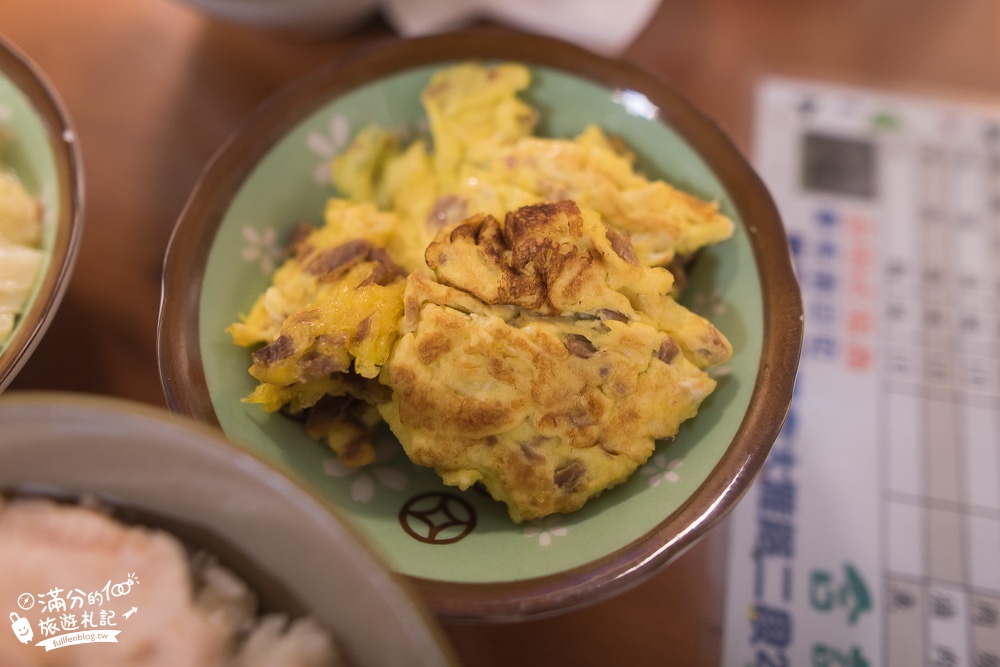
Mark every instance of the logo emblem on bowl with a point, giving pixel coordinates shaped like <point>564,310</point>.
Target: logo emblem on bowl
<point>437,518</point>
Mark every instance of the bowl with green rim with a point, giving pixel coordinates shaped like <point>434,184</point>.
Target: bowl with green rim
<point>38,145</point>
<point>460,549</point>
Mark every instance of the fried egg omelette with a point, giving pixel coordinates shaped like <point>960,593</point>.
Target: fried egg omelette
<point>502,301</point>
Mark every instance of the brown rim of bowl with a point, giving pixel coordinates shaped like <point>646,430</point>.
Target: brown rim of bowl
<point>180,361</point>
<point>62,140</point>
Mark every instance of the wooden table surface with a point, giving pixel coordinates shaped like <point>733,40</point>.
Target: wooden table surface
<point>154,88</point>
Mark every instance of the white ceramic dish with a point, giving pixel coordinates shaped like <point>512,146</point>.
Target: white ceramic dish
<point>285,541</point>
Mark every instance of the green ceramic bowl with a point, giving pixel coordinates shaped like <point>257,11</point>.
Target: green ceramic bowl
<point>460,549</point>
<point>38,143</point>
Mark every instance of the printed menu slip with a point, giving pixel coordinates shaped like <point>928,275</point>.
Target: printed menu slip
<point>872,536</point>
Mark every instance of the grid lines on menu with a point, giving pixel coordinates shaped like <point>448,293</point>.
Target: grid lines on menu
<point>940,370</point>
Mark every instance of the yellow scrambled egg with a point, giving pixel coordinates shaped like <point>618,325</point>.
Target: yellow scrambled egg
<point>500,300</point>
<point>20,258</point>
